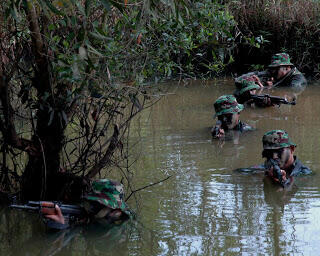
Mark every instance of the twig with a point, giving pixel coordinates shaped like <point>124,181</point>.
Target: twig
<point>134,191</point>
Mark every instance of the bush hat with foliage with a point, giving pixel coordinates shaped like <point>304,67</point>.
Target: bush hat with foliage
<point>245,84</point>
<point>276,139</point>
<point>227,104</point>
<point>280,59</point>
<point>108,193</point>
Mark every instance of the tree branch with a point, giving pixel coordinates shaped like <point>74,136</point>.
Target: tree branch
<point>106,159</point>
<point>35,32</point>
<point>134,191</point>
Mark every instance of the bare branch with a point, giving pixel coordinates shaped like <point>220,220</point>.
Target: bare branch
<point>150,185</point>
<point>106,159</point>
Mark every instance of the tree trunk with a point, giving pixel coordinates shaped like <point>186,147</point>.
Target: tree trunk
<point>44,164</point>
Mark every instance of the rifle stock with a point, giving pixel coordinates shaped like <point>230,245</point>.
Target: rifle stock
<point>45,207</point>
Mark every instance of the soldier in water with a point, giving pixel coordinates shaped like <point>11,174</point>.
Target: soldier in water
<point>105,202</point>
<point>281,72</point>
<point>249,94</point>
<point>228,112</point>
<point>281,163</point>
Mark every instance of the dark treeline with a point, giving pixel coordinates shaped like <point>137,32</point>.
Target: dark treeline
<point>283,26</point>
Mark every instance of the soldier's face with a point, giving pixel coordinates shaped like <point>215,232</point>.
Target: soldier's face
<point>282,71</point>
<point>284,156</point>
<point>229,121</point>
<point>253,92</point>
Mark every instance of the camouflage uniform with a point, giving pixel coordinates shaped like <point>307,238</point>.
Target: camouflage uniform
<point>227,104</point>
<point>109,194</point>
<point>277,139</point>
<point>106,195</point>
<point>293,79</point>
<point>244,85</point>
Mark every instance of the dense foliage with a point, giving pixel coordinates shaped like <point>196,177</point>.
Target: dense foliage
<point>286,25</point>
<point>62,118</point>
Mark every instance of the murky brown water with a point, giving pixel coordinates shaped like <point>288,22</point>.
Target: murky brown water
<point>205,208</point>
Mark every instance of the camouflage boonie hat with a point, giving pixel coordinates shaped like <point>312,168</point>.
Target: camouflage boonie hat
<point>108,193</point>
<point>280,59</point>
<point>276,139</point>
<point>227,104</point>
<point>245,84</point>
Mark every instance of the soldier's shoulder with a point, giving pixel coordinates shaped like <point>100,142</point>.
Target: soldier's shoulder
<point>300,169</point>
<point>244,127</point>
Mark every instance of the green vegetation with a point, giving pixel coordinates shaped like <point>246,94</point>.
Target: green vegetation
<point>286,25</point>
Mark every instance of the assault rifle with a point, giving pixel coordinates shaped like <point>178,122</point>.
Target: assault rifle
<point>48,208</point>
<point>275,100</point>
<point>276,171</point>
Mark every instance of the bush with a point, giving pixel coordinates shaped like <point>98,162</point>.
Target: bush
<point>289,25</point>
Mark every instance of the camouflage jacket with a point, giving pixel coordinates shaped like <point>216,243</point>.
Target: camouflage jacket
<point>293,79</point>
<point>105,195</point>
<point>297,169</point>
<point>243,127</point>
<point>239,128</point>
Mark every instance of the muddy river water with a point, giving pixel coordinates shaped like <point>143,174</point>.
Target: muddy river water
<point>205,207</point>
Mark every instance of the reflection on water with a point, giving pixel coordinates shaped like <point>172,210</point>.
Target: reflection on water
<point>206,208</point>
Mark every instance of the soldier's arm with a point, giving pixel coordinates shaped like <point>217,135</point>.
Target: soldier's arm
<point>298,81</point>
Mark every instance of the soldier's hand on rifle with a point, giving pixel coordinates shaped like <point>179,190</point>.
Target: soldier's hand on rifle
<point>267,102</point>
<point>217,132</point>
<point>53,214</point>
<point>257,80</point>
<point>270,173</point>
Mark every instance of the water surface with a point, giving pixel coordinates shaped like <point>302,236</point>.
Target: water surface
<point>205,208</point>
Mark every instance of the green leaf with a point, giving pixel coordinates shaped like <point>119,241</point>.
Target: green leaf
<point>87,7</point>
<point>113,3</point>
<point>65,43</point>
<point>93,50</point>
<point>14,12</point>
<point>51,118</point>
<point>71,36</point>
<point>80,8</point>
<point>98,36</point>
<point>51,27</point>
<point>106,5</point>
<point>53,8</point>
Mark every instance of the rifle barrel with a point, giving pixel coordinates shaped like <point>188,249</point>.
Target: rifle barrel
<point>274,99</point>
<point>24,207</point>
<point>39,203</point>
<point>36,207</point>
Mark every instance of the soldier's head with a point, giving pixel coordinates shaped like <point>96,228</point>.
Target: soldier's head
<point>277,145</point>
<point>280,65</point>
<point>106,197</point>
<point>246,87</point>
<point>228,110</point>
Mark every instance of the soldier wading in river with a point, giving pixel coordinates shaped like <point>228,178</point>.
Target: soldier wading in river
<point>105,202</point>
<point>246,89</point>
<point>228,111</point>
<point>280,162</point>
<point>281,72</point>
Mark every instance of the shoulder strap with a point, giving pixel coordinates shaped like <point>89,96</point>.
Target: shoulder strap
<point>290,73</point>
